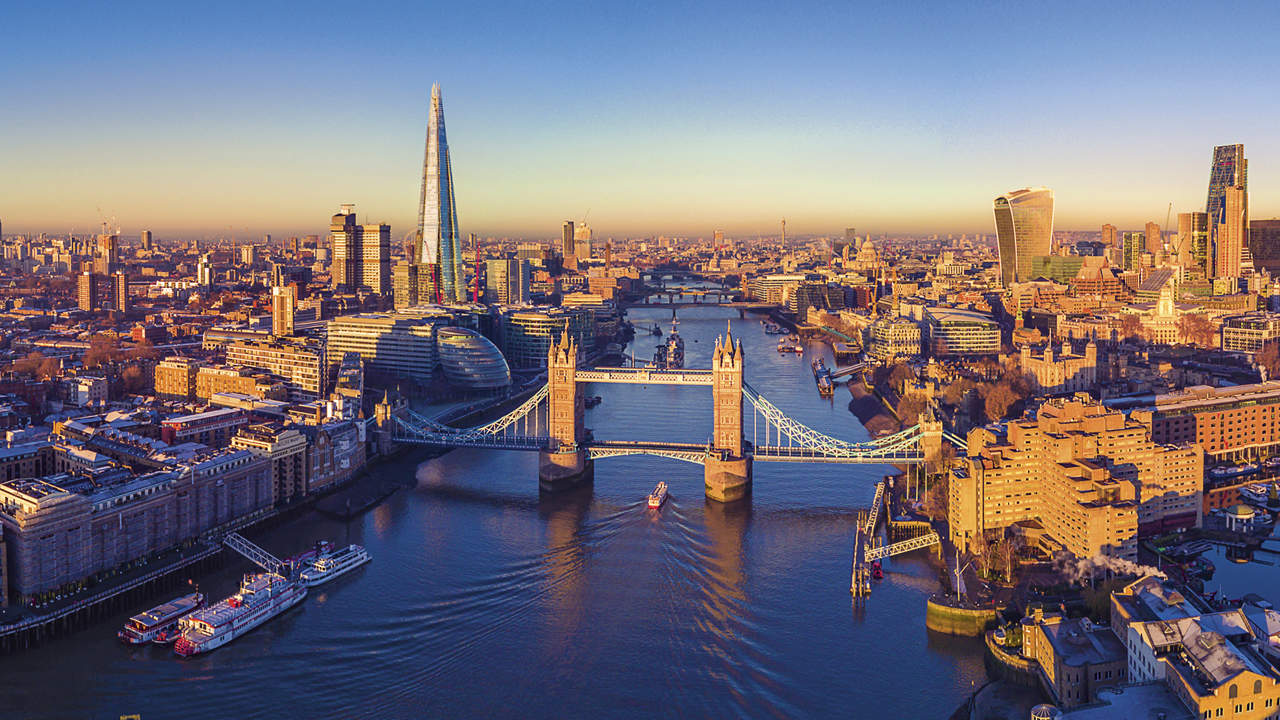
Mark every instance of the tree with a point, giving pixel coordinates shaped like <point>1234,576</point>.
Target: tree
<point>936,500</point>
<point>102,351</point>
<point>899,374</point>
<point>955,393</point>
<point>48,369</point>
<point>1131,326</point>
<point>28,365</point>
<point>134,379</point>
<point>1196,329</point>
<point>144,351</point>
<point>999,399</point>
<point>1268,359</point>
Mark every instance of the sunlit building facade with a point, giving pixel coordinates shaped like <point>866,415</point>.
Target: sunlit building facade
<point>439,241</point>
<point>1024,229</point>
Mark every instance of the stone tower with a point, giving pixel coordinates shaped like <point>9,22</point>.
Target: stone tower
<point>566,464</point>
<point>727,468</point>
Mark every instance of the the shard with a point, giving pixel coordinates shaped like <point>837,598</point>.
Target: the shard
<point>439,245</point>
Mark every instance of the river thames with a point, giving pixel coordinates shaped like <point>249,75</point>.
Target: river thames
<point>485,599</point>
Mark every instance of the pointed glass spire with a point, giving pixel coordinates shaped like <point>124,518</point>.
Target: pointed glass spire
<point>438,236</point>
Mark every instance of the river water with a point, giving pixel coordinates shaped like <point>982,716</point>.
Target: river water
<point>486,599</point>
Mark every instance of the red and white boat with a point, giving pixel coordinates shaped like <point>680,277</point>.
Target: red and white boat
<point>157,623</point>
<point>262,596</point>
<point>658,496</point>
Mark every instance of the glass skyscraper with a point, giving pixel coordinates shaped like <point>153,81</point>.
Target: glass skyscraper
<point>1024,230</point>
<point>1229,169</point>
<point>439,242</point>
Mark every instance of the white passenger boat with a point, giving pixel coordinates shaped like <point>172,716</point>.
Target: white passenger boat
<point>658,496</point>
<point>154,625</point>
<point>327,567</point>
<point>262,596</point>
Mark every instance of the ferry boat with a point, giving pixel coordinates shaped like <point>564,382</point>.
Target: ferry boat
<point>262,596</point>
<point>154,624</point>
<point>328,567</point>
<point>658,496</point>
<point>1233,471</point>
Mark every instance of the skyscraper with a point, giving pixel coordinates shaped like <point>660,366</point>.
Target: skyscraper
<point>147,240</point>
<point>439,241</point>
<point>1193,243</point>
<point>566,239</point>
<point>406,285</point>
<point>1230,234</point>
<point>507,281</point>
<point>375,257</point>
<point>120,291</point>
<point>1109,235</point>
<point>1024,229</point>
<point>344,236</point>
<point>1132,245</point>
<point>1229,169</point>
<point>1155,240</point>
<point>283,305</point>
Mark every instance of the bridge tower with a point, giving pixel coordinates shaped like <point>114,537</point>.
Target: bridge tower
<point>930,436</point>
<point>728,469</point>
<point>566,464</point>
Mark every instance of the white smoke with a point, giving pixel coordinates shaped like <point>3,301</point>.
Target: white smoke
<point>1100,566</point>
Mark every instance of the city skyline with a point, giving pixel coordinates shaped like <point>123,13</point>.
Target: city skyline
<point>866,123</point>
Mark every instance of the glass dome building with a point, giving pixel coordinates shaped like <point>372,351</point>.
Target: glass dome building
<point>470,360</point>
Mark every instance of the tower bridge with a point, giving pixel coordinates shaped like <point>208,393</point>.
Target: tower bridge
<point>551,423</point>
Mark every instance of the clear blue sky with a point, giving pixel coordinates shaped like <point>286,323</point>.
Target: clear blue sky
<point>657,117</point>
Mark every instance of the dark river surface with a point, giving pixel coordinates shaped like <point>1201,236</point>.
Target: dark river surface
<point>485,599</point>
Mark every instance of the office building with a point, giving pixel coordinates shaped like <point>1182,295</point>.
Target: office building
<point>439,240</point>
<point>344,238</point>
<point>1024,229</point>
<point>1250,332</point>
<point>1229,169</point>
<point>1193,243</point>
<point>1264,245</point>
<point>1132,247</point>
<point>507,281</point>
<point>1233,424</point>
<point>893,337</point>
<point>470,361</point>
<point>567,239</point>
<point>284,303</point>
<point>148,243</point>
<point>375,242</point>
<point>527,333</point>
<point>1109,235</point>
<point>582,242</point>
<point>396,345</point>
<point>204,271</point>
<point>1153,239</point>
<point>949,332</point>
<point>407,289</point>
<point>1230,235</point>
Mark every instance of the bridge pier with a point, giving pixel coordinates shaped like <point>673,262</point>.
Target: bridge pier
<point>727,479</point>
<point>560,471</point>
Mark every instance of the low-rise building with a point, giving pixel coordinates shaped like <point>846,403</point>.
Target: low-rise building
<point>1061,372</point>
<point>1075,657</point>
<point>214,428</point>
<point>176,378</point>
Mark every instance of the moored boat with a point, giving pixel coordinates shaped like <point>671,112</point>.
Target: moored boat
<point>262,596</point>
<point>326,568</point>
<point>154,624</point>
<point>658,496</point>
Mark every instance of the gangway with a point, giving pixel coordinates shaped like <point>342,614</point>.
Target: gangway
<point>255,554</point>
<point>848,370</point>
<point>876,502</point>
<point>915,543</point>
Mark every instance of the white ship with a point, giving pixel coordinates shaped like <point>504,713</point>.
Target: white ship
<point>262,596</point>
<point>329,566</point>
<point>155,624</point>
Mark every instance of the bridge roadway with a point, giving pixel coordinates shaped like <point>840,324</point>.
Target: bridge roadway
<point>696,453</point>
<point>644,376</point>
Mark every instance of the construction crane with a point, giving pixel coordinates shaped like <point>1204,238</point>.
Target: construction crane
<point>255,554</point>
<point>1165,228</point>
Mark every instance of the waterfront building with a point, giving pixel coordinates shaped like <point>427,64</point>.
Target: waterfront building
<point>776,288</point>
<point>1024,229</point>
<point>1091,476</point>
<point>527,333</point>
<point>1061,372</point>
<point>1074,657</point>
<point>470,361</point>
<point>66,528</point>
<point>335,453</point>
<point>1213,662</point>
<point>301,362</point>
<point>893,337</point>
<point>439,240</point>
<point>1233,424</point>
<point>400,345</point>
<point>286,451</point>
<point>950,332</point>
